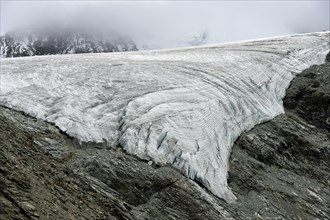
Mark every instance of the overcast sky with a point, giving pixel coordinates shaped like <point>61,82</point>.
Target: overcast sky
<point>222,20</point>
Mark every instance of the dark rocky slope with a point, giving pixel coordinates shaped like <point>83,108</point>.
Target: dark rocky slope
<point>46,175</point>
<point>282,168</point>
<point>279,170</point>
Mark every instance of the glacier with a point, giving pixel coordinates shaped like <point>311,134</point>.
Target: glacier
<point>183,107</point>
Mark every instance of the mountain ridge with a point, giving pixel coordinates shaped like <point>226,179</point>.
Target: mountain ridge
<point>20,43</point>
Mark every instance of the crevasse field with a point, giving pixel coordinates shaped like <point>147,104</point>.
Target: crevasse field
<point>184,107</point>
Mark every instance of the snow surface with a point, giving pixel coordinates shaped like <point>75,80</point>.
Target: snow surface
<point>184,107</point>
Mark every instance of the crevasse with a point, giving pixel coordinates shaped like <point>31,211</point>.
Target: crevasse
<point>184,107</point>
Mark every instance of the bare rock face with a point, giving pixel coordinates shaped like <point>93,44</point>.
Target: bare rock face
<point>280,169</point>
<point>44,174</point>
<point>309,96</point>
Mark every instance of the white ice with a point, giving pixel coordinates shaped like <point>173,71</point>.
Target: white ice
<point>184,107</point>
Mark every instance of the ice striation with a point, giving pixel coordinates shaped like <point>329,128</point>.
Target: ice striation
<point>184,107</point>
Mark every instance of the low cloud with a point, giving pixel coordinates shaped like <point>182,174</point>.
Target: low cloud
<point>222,20</point>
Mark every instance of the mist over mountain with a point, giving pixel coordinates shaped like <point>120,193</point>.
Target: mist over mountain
<point>54,38</point>
<point>150,43</point>
<point>153,25</point>
<point>57,39</point>
<point>85,27</point>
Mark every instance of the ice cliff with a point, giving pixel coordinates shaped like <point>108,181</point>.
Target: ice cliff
<point>184,107</point>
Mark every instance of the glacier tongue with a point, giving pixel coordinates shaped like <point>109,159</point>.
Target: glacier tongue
<point>184,107</point>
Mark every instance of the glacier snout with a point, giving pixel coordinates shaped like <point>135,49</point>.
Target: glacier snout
<point>184,107</point>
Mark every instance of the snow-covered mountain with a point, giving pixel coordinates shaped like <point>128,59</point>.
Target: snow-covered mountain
<point>20,43</point>
<point>184,107</point>
<point>154,42</point>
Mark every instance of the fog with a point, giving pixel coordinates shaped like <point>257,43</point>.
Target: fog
<point>169,21</point>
